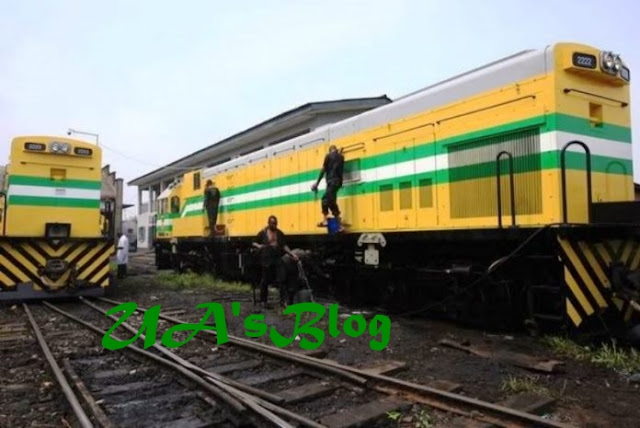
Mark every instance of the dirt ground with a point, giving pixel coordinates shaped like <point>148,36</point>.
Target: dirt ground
<point>586,394</point>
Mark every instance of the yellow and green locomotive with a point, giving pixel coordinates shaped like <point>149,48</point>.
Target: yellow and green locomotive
<point>504,194</point>
<point>53,235</point>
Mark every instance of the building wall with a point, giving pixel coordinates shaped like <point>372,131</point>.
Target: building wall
<point>143,229</point>
<point>130,228</point>
<point>111,194</point>
<point>118,208</point>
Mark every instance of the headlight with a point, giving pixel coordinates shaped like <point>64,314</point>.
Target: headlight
<point>612,63</point>
<point>607,61</point>
<point>617,63</point>
<point>60,147</point>
<point>57,230</point>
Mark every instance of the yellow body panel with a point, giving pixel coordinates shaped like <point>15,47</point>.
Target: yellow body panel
<point>576,88</point>
<point>535,99</point>
<point>47,187</point>
<point>52,186</point>
<point>436,170</point>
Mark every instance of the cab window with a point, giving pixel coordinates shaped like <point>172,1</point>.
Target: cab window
<point>175,205</point>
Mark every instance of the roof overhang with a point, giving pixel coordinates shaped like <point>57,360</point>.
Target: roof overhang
<point>260,131</point>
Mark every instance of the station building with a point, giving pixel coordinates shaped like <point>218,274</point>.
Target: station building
<point>282,127</point>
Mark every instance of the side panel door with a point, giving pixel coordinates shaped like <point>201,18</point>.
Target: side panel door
<point>311,209</point>
<point>385,187</point>
<point>426,181</point>
<point>284,191</point>
<point>404,159</point>
<point>259,200</point>
<point>353,201</point>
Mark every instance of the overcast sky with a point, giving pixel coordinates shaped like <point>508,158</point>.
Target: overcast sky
<point>160,79</point>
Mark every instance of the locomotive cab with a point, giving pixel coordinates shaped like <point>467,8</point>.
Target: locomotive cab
<point>52,243</point>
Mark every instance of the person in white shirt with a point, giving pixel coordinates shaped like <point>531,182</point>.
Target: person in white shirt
<point>122,255</point>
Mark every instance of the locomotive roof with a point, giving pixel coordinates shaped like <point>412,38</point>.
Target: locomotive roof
<point>510,69</point>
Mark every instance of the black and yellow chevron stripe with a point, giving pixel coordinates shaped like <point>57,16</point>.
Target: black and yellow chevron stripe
<point>21,260</point>
<point>586,267</point>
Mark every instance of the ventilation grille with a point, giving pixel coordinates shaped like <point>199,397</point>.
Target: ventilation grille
<point>472,175</point>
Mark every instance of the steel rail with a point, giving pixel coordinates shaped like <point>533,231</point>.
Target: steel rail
<point>187,364</point>
<point>495,410</point>
<point>274,352</point>
<point>216,391</point>
<point>249,395</point>
<point>84,420</point>
<point>96,410</point>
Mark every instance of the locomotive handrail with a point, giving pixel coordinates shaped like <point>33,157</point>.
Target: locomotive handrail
<point>404,131</point>
<point>4,213</point>
<point>467,113</point>
<point>352,147</point>
<point>306,143</point>
<point>512,189</point>
<point>564,178</point>
<point>569,90</point>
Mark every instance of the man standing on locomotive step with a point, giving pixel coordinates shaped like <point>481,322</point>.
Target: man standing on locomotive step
<point>333,168</point>
<point>271,243</point>
<point>122,255</point>
<point>211,203</point>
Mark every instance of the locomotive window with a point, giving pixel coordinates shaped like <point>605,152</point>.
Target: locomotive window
<point>386,197</point>
<point>351,171</point>
<point>175,205</point>
<point>405,195</point>
<point>196,181</point>
<point>424,191</point>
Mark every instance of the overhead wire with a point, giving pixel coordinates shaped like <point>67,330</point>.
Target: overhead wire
<point>179,168</point>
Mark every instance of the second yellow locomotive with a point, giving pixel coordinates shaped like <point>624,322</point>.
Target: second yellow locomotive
<point>53,240</point>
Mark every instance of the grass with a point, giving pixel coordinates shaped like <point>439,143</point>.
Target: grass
<point>192,280</point>
<point>421,419</point>
<point>524,384</point>
<point>606,355</point>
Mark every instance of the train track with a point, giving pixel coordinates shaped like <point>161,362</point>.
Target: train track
<point>375,393</point>
<point>243,382</point>
<point>121,389</point>
<point>29,391</point>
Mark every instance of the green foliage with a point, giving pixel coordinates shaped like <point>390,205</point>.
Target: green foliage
<point>523,384</point>
<point>424,419</point>
<point>194,280</point>
<point>607,355</point>
<point>394,416</point>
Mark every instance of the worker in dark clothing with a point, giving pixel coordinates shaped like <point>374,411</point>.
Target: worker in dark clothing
<point>271,243</point>
<point>295,277</point>
<point>211,203</point>
<point>333,167</point>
